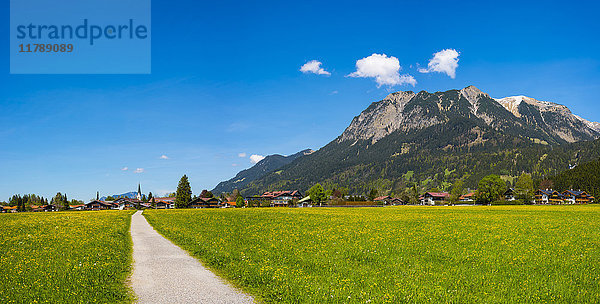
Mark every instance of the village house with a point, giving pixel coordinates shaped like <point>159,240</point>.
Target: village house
<point>576,197</point>
<point>467,198</point>
<point>164,202</point>
<point>277,198</point>
<point>397,201</point>
<point>230,204</point>
<point>97,205</point>
<point>205,202</point>
<point>305,202</point>
<point>548,196</point>
<point>77,207</point>
<point>386,200</point>
<point>509,194</point>
<point>434,198</point>
<point>8,209</point>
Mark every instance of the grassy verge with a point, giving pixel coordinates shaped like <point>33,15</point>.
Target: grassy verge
<point>398,254</point>
<point>65,257</point>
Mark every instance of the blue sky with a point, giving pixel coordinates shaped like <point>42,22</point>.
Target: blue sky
<point>225,80</point>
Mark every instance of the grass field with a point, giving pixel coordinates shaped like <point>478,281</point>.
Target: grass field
<point>65,257</point>
<point>398,254</point>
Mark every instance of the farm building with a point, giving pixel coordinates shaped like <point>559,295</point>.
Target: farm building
<point>305,202</point>
<point>276,198</point>
<point>205,202</point>
<point>164,202</point>
<point>548,196</point>
<point>469,197</point>
<point>97,205</point>
<point>432,198</point>
<point>509,194</point>
<point>576,197</point>
<point>386,200</point>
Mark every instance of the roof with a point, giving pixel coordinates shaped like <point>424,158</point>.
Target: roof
<point>9,208</point>
<point>232,203</point>
<point>76,206</point>
<point>306,199</point>
<point>438,194</point>
<point>164,199</point>
<point>205,200</point>
<point>281,193</point>
<point>382,198</point>
<point>549,192</point>
<point>574,192</point>
<point>468,195</point>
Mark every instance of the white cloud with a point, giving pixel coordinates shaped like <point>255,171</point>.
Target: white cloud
<point>384,69</point>
<point>234,165</point>
<point>314,67</point>
<point>256,158</point>
<point>164,157</point>
<point>333,92</point>
<point>242,154</point>
<point>139,170</point>
<point>444,61</point>
<point>124,169</point>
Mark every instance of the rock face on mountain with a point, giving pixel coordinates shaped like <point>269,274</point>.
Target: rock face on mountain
<point>260,169</point>
<point>407,111</point>
<point>432,139</point>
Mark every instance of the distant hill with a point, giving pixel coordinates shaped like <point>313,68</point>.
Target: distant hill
<point>432,139</point>
<point>267,165</point>
<point>132,194</point>
<point>583,177</point>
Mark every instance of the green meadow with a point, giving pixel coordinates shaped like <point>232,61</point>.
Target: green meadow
<point>397,254</point>
<point>65,257</point>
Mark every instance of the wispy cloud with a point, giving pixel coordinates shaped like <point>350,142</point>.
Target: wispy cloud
<point>234,165</point>
<point>314,67</point>
<point>139,170</point>
<point>254,158</point>
<point>444,61</point>
<point>384,69</point>
<point>242,154</point>
<point>164,157</point>
<point>124,169</point>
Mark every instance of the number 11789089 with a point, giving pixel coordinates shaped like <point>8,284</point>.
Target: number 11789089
<point>45,48</point>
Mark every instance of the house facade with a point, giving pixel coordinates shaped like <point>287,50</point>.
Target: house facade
<point>509,194</point>
<point>276,198</point>
<point>164,202</point>
<point>433,198</point>
<point>205,202</point>
<point>577,197</point>
<point>467,198</point>
<point>548,196</point>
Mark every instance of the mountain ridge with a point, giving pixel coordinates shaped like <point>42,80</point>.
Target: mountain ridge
<point>464,132</point>
<point>267,165</point>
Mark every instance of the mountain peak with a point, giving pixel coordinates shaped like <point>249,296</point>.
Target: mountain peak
<point>405,111</point>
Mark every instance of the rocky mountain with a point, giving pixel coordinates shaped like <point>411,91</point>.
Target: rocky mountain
<point>267,165</point>
<point>408,111</point>
<point>432,139</point>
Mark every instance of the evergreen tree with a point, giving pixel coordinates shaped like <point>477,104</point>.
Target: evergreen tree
<point>183,196</point>
<point>372,194</point>
<point>239,201</point>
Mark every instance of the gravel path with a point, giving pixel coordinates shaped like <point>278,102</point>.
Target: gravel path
<point>165,273</point>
